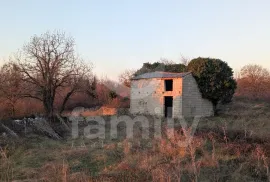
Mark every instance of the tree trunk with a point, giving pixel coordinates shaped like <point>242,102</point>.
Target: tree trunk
<point>65,101</point>
<point>49,111</point>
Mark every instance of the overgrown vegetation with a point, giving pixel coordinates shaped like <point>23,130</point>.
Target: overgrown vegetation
<point>48,74</point>
<point>48,78</point>
<point>254,82</point>
<point>233,146</point>
<point>214,78</point>
<point>165,66</point>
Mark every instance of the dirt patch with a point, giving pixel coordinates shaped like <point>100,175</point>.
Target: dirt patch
<point>100,112</point>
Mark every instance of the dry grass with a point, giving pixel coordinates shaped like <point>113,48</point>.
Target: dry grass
<point>156,160</point>
<point>102,111</point>
<point>6,167</point>
<point>223,149</point>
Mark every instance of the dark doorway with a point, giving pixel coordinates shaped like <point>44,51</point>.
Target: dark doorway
<point>168,105</point>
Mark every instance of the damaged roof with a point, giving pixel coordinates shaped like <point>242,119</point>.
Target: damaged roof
<point>160,74</point>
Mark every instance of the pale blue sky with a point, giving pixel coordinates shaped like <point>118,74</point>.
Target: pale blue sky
<point>116,35</point>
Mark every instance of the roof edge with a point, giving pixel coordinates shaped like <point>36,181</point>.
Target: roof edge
<point>183,74</point>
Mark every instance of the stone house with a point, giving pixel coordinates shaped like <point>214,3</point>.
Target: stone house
<point>168,94</point>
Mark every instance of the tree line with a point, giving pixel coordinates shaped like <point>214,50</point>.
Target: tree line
<point>48,76</point>
<point>253,82</point>
<point>214,76</point>
<point>46,73</point>
<point>216,79</point>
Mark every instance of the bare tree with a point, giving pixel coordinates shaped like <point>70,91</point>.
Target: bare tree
<point>90,87</point>
<point>81,81</point>
<point>254,72</point>
<point>125,77</point>
<point>184,60</point>
<point>166,61</point>
<point>48,63</point>
<point>11,86</point>
<point>254,80</point>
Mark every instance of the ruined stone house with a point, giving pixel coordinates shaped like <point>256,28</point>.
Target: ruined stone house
<point>168,94</point>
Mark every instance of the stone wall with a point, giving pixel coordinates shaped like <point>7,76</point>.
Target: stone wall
<point>194,104</point>
<point>147,97</point>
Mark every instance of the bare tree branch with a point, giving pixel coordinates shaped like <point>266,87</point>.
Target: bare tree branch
<point>48,63</point>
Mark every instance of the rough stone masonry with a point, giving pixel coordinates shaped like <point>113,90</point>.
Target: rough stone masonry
<point>168,94</point>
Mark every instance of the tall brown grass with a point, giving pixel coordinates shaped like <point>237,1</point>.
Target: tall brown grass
<point>6,167</point>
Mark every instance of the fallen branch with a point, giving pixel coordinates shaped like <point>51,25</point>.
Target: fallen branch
<point>8,130</point>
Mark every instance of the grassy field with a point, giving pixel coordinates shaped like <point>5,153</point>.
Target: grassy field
<point>233,146</point>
